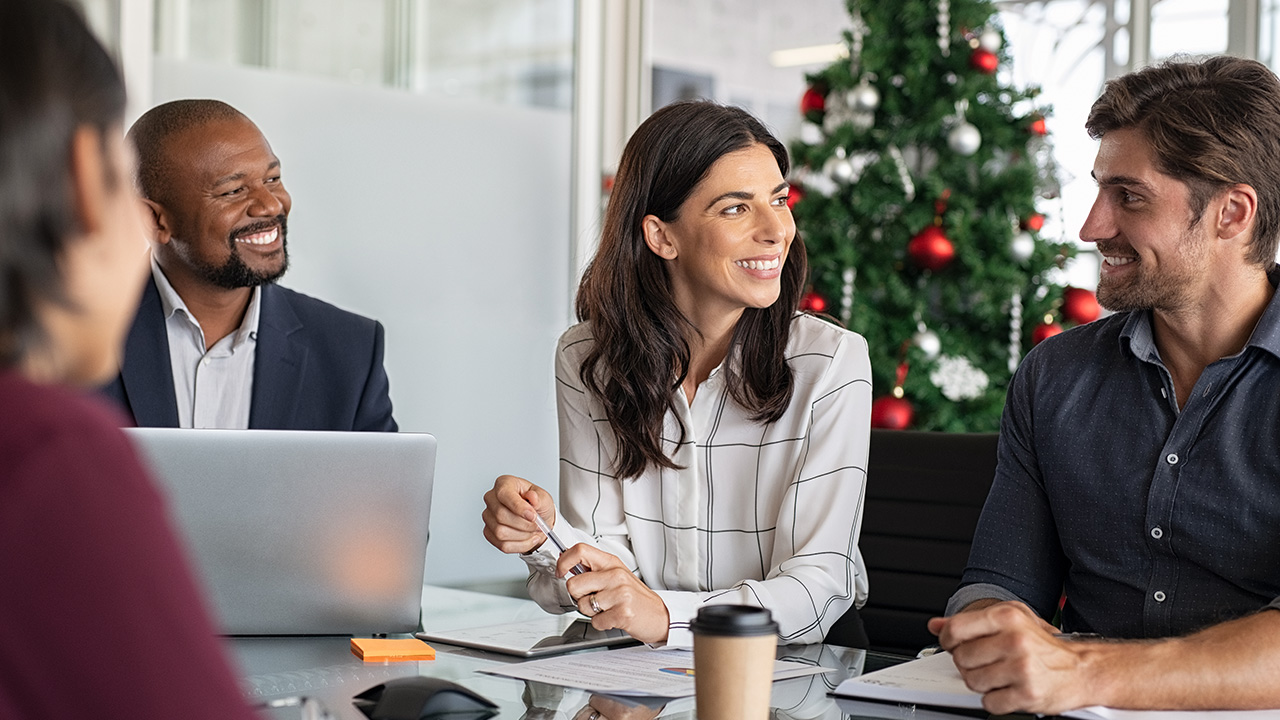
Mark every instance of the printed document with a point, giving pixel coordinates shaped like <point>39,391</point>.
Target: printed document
<point>934,681</point>
<point>636,671</point>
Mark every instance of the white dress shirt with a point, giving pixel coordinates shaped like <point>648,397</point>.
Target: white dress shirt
<point>760,514</point>
<point>214,387</point>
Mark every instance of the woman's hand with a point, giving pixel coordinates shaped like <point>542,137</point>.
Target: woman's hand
<point>612,596</point>
<point>508,514</point>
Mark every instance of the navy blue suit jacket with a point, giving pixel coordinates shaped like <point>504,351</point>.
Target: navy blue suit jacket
<point>316,367</point>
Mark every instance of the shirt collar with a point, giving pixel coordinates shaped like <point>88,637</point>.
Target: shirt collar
<point>1137,331</point>
<point>171,302</point>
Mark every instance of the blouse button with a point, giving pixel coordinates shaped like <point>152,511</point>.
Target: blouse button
<point>1157,533</point>
<point>1171,458</point>
<point>1159,596</point>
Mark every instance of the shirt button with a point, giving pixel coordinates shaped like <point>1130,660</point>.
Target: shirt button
<point>1159,596</point>
<point>206,362</point>
<point>1157,533</point>
<point>1171,458</point>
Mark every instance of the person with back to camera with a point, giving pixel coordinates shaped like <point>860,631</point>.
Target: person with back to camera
<point>100,614</point>
<point>713,440</point>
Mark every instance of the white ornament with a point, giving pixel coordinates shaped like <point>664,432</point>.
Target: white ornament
<point>846,295</point>
<point>1022,247</point>
<point>929,343</point>
<point>904,175</point>
<point>964,139</point>
<point>1015,330</point>
<point>857,32</point>
<point>990,40</point>
<point>811,134</point>
<point>944,27</point>
<point>958,379</point>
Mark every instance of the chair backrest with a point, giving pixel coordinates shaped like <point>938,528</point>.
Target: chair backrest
<point>924,494</point>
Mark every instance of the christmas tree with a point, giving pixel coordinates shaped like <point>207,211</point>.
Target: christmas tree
<point>916,190</point>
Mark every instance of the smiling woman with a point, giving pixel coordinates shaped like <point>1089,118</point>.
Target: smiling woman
<point>713,440</point>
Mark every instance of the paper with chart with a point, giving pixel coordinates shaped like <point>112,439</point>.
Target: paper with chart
<point>935,681</point>
<point>636,671</point>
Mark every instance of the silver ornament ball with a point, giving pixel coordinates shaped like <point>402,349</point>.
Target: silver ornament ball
<point>964,139</point>
<point>1022,247</point>
<point>928,342</point>
<point>865,98</point>
<point>839,169</point>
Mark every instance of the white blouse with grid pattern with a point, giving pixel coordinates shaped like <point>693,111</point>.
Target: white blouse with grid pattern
<point>765,515</point>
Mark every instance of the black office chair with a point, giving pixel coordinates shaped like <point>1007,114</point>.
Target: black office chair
<point>924,494</point>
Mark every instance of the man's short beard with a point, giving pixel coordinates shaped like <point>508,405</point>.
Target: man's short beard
<point>1167,289</point>
<point>234,273</point>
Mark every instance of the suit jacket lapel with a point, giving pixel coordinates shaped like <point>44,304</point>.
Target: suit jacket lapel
<point>147,374</point>
<point>278,363</point>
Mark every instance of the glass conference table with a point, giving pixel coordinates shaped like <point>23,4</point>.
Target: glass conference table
<point>323,669</point>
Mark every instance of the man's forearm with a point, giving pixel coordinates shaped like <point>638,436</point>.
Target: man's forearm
<point>1231,666</point>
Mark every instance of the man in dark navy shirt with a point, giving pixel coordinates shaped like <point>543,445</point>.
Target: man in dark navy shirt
<point>1139,471</point>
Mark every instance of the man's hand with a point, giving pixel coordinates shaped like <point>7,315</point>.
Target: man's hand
<point>604,708</point>
<point>1011,656</point>
<point>508,514</point>
<point>622,600</point>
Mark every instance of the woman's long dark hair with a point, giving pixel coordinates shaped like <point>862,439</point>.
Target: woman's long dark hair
<point>54,79</point>
<point>641,349</point>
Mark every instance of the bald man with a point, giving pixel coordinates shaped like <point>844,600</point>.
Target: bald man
<point>216,342</point>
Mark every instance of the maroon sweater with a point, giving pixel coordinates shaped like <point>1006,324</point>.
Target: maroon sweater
<point>99,614</point>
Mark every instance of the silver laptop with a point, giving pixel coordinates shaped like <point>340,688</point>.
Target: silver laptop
<point>300,533</point>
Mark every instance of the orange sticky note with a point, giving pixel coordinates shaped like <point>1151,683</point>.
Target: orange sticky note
<point>383,649</point>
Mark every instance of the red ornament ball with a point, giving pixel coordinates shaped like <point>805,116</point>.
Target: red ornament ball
<point>1033,222</point>
<point>813,302</point>
<point>930,249</point>
<point>1080,306</point>
<point>794,195</point>
<point>1044,331</point>
<point>984,61</point>
<point>891,413</point>
<point>1038,127</point>
<point>812,104</point>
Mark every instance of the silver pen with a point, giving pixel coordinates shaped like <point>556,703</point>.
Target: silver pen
<point>546,530</point>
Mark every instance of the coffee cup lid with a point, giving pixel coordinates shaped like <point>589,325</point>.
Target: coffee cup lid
<point>734,621</point>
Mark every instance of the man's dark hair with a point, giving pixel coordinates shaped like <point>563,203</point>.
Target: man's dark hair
<point>1211,124</point>
<point>151,134</point>
<point>55,78</point>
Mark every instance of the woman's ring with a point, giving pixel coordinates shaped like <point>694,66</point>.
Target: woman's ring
<point>595,714</point>
<point>595,606</point>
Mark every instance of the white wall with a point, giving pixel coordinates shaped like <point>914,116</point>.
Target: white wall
<point>447,221</point>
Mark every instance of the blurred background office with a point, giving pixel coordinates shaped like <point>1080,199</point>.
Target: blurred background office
<point>449,160</point>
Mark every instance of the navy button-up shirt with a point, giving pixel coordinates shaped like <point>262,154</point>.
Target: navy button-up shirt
<point>1155,521</point>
